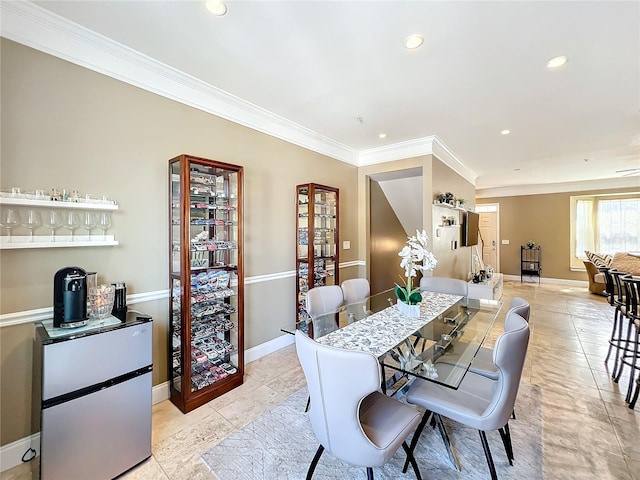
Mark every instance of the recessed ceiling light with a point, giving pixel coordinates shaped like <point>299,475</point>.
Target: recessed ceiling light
<point>382,135</point>
<point>217,7</point>
<point>413,41</point>
<point>506,131</point>
<point>557,61</point>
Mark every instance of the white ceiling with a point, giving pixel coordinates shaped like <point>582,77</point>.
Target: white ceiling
<point>325,64</point>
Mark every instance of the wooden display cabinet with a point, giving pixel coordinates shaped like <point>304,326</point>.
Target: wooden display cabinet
<point>317,259</point>
<point>206,328</point>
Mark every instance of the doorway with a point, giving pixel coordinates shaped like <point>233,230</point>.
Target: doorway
<point>490,234</point>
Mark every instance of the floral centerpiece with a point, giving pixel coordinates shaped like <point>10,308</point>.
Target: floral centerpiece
<point>415,256</point>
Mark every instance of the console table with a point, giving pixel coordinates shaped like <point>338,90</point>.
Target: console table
<point>490,289</point>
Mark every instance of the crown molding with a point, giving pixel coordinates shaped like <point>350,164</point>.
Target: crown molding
<point>541,189</point>
<point>38,28</point>
<point>430,145</point>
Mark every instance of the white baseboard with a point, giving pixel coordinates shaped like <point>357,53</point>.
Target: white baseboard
<point>554,281</point>
<point>160,393</point>
<point>266,348</point>
<point>11,454</point>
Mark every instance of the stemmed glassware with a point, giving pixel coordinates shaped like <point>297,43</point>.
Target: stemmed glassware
<point>9,220</point>
<point>104,222</point>
<point>72,221</point>
<point>89,222</point>
<point>53,221</point>
<point>31,220</point>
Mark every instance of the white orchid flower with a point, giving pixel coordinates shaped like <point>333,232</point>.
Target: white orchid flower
<point>415,256</point>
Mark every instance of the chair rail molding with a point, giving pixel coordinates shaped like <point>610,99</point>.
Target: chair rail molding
<point>39,314</point>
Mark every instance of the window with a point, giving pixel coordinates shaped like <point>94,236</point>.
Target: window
<point>604,224</point>
<point>486,208</point>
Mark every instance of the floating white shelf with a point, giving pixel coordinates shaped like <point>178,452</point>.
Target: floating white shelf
<point>43,241</point>
<point>25,202</point>
<point>448,205</point>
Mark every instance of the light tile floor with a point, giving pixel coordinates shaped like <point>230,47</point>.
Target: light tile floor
<point>589,432</point>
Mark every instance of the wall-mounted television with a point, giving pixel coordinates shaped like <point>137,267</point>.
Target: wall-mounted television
<point>470,225</point>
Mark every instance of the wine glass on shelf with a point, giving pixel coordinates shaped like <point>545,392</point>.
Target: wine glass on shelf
<point>89,222</point>
<point>9,220</point>
<point>104,222</point>
<point>72,222</point>
<point>53,221</point>
<point>31,220</point>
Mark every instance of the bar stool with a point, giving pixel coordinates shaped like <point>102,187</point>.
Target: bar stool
<point>631,351</point>
<point>617,299</point>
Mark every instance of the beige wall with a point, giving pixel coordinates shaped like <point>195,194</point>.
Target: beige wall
<point>543,219</point>
<point>436,178</point>
<point>364,207</point>
<point>67,127</point>
<point>386,239</point>
<point>455,263</point>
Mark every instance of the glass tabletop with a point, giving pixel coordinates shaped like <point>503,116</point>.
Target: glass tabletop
<point>437,346</point>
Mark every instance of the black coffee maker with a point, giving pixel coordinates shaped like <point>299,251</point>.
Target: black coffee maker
<point>70,298</point>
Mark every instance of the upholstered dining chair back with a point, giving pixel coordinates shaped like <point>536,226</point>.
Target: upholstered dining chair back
<point>322,300</point>
<point>321,303</point>
<point>483,362</point>
<point>508,355</point>
<point>520,306</point>
<point>355,290</point>
<point>453,286</point>
<point>343,386</point>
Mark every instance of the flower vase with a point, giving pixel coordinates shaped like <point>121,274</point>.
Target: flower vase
<point>412,311</point>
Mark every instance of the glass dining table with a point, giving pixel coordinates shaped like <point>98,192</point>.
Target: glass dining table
<point>438,345</point>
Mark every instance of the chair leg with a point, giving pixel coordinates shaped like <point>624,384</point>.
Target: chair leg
<point>369,473</point>
<point>632,404</point>
<point>634,359</point>
<point>414,440</point>
<point>617,374</point>
<point>613,339</point>
<point>506,441</point>
<point>306,409</point>
<point>412,459</point>
<point>314,462</point>
<point>487,453</point>
<point>447,443</point>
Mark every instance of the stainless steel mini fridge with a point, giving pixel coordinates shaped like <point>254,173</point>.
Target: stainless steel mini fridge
<point>95,401</point>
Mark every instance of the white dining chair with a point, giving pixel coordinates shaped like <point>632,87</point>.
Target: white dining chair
<point>480,402</point>
<point>321,303</point>
<point>452,286</point>
<point>482,363</point>
<point>350,418</point>
<point>355,292</point>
